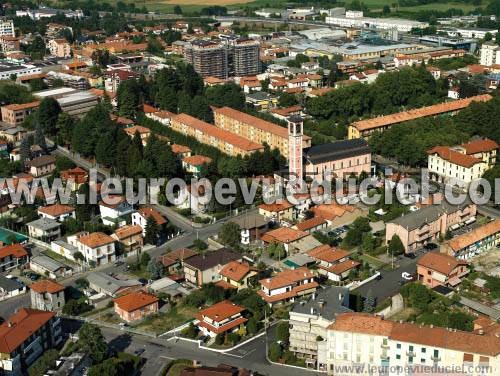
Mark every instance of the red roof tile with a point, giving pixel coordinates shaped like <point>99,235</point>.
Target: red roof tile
<point>454,156</point>
<point>135,300</point>
<point>45,286</point>
<point>16,250</point>
<point>439,262</point>
<point>480,146</point>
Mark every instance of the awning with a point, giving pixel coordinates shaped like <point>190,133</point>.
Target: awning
<point>454,281</point>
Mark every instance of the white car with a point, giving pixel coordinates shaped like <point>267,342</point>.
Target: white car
<point>407,276</point>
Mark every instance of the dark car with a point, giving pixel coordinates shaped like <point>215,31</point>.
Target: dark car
<point>139,352</point>
<point>430,246</point>
<point>143,281</point>
<point>410,255</point>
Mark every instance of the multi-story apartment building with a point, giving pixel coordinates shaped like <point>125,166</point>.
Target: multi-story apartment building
<point>130,236</point>
<point>25,336</point>
<point>439,269</point>
<point>364,128</point>
<point>47,295</point>
<point>484,149</point>
<point>255,129</point>
<point>377,346</point>
<point>287,285</point>
<point>97,247</point>
<point>446,163</point>
<point>73,81</point>
<point>208,58</point>
<point>7,28</point>
<point>244,57</point>
<point>490,54</point>
<point>224,140</point>
<point>15,114</point>
<point>420,227</point>
<point>309,322</point>
<point>59,47</point>
<point>9,43</point>
<point>12,256</point>
<point>200,269</point>
<point>475,242</point>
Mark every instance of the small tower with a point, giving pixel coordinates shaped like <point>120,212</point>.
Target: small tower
<point>295,131</point>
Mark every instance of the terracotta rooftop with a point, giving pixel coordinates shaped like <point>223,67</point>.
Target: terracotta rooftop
<point>221,311</point>
<point>135,300</point>
<point>56,210</point>
<point>284,205</point>
<point>46,286</point>
<point>286,111</point>
<point>254,122</point>
<point>342,267</point>
<point>128,231</point>
<point>213,80</point>
<point>16,250</point>
<point>475,235</point>
<point>179,254</point>
<point>146,212</point>
<point>20,326</point>
<point>362,323</point>
<point>480,146</point>
<point>454,156</point>
<point>419,113</point>
<point>131,131</point>
<point>96,239</point>
<point>331,211</point>
<point>197,160</point>
<point>310,223</point>
<point>328,254</point>
<point>283,235</point>
<point>236,270</point>
<point>147,109</point>
<point>180,149</point>
<point>439,262</point>
<point>23,106</point>
<point>220,134</point>
<point>287,278</point>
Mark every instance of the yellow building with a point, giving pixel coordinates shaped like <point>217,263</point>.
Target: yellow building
<point>255,129</point>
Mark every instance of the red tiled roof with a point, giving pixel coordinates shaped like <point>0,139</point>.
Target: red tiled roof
<point>46,285</point>
<point>23,106</point>
<point>295,291</point>
<point>137,128</point>
<point>275,207</point>
<point>328,254</point>
<point>135,300</point>
<point>147,212</point>
<point>480,146</point>
<point>362,323</point>
<point>20,326</point>
<point>287,278</point>
<point>310,223</point>
<point>283,235</point>
<point>419,112</point>
<point>16,250</point>
<point>128,231</point>
<point>236,270</point>
<point>221,311</point>
<point>96,239</point>
<point>56,210</point>
<point>180,149</point>
<point>440,262</point>
<point>342,267</point>
<point>454,156</point>
<point>475,235</point>
<point>147,109</point>
<point>223,328</point>
<point>179,254</point>
<point>197,160</point>
<point>225,285</point>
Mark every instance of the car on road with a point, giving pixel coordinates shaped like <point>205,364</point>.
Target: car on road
<point>406,276</point>
<point>139,352</point>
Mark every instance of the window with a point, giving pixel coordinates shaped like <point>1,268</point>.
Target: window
<point>398,346</point>
<point>422,360</point>
<point>410,359</point>
<point>423,350</point>
<point>411,348</point>
<point>398,357</point>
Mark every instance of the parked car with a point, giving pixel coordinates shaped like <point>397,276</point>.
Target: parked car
<point>430,246</point>
<point>139,352</point>
<point>406,276</point>
<point>410,255</point>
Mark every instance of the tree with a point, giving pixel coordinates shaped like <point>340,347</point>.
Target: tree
<point>64,126</point>
<point>177,9</point>
<point>152,231</point>
<point>40,137</point>
<point>252,326</point>
<point>25,149</point>
<point>44,363</point>
<point>275,352</point>
<point>488,37</point>
<point>219,339</point>
<point>287,100</point>
<point>48,113</point>
<point>396,246</point>
<point>92,342</point>
<point>368,242</point>
<point>283,332</point>
<point>106,368</point>
<point>230,234</point>
<point>155,269</point>
<point>386,9</point>
<point>145,257</point>
<point>190,331</point>
<point>36,49</point>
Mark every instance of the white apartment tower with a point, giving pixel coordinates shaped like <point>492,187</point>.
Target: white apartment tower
<point>490,54</point>
<point>7,28</point>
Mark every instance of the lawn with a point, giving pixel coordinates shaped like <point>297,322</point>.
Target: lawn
<point>165,321</point>
<point>439,7</point>
<point>177,366</point>
<point>373,261</point>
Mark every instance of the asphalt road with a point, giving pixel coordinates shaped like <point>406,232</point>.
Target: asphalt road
<point>389,284</point>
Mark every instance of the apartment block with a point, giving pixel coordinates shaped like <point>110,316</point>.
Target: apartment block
<point>255,129</point>
<point>47,295</point>
<point>9,43</point>
<point>208,58</point>
<point>426,225</point>
<point>393,348</point>
<point>490,54</point>
<point>15,114</point>
<point>476,241</point>
<point>244,57</point>
<point>7,28</point>
<point>224,140</point>
<point>59,47</point>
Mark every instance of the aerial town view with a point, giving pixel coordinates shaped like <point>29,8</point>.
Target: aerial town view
<point>249,187</point>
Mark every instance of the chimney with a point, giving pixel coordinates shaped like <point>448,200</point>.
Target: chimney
<point>480,332</point>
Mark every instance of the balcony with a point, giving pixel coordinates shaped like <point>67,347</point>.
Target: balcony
<point>411,353</point>
<point>435,358</point>
<point>384,345</point>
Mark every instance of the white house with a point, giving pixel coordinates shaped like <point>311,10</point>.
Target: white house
<point>97,247</point>
<point>113,213</point>
<point>57,212</point>
<point>140,217</point>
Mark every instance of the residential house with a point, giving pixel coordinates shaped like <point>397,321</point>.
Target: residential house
<point>173,260</point>
<point>65,249</point>
<point>309,322</point>
<point>482,148</point>
<point>59,47</point>
<point>25,336</point>
<point>205,268</point>
<point>294,241</point>
<point>333,263</point>
<point>261,100</point>
<point>439,269</point>
<point>41,166</point>
<point>49,267</point>
<point>104,284</point>
<point>335,214</point>
<point>114,209</point>
<point>143,132</point>
<point>475,242</point>
<point>97,247</point>
<point>425,225</point>
<point>236,275</point>
<point>74,176</point>
<point>181,151</point>
<point>10,287</point>
<point>288,285</point>
<point>140,218</point>
<point>135,306</point>
<point>45,229</point>
<point>221,318</point>
<point>12,256</point>
<point>163,117</point>
<point>130,237</point>
<point>13,135</point>
<point>278,212</point>
<point>252,227</point>
<point>195,163</point>
<point>284,113</point>
<point>311,225</point>
<point>47,295</point>
<point>15,114</point>
<point>57,212</point>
